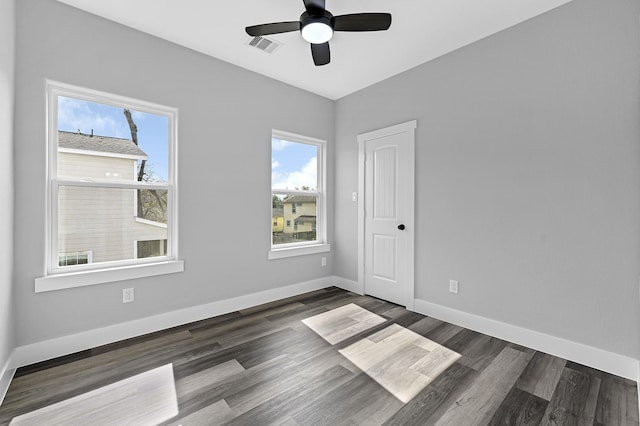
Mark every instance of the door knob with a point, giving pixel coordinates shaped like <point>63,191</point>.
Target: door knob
<point>401,227</point>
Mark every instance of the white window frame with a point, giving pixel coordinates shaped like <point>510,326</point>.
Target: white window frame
<point>56,277</point>
<point>320,245</point>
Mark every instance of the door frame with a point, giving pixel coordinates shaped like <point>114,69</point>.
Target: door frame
<point>408,127</point>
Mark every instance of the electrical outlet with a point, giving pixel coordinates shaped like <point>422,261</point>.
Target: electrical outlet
<point>128,295</point>
<point>354,196</point>
<point>453,286</point>
<point>323,261</point>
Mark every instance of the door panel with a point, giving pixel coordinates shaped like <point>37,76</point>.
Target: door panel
<point>384,257</point>
<point>384,185</point>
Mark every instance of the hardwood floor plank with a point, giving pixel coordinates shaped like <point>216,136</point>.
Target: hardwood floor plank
<point>476,406</point>
<point>208,377</point>
<point>194,401</point>
<point>216,413</point>
<point>339,406</point>
<point>569,399</point>
<point>49,364</point>
<point>263,348</point>
<point>428,405</point>
<point>461,341</point>
<point>407,319</point>
<point>617,402</point>
<point>443,333</point>
<point>425,325</point>
<point>541,376</point>
<point>281,407</point>
<point>520,408</point>
<point>482,352</point>
<point>588,413</point>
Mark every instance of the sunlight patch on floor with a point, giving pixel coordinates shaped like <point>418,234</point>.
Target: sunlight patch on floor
<point>401,361</point>
<point>148,398</point>
<point>341,323</point>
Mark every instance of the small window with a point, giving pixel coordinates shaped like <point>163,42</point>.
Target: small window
<point>70,259</point>
<point>151,248</point>
<point>297,190</point>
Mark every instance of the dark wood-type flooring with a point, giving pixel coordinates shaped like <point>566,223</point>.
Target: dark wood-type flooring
<point>263,366</point>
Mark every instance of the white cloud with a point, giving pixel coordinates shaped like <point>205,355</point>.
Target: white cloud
<point>75,114</point>
<point>279,144</point>
<point>307,176</point>
<point>138,116</point>
<point>274,165</point>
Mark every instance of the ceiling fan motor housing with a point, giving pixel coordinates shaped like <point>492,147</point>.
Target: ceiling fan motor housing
<point>317,27</point>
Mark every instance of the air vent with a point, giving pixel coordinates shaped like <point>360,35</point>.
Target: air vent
<point>264,44</point>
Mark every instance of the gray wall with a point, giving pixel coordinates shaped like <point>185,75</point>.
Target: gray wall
<point>7,62</point>
<point>527,171</point>
<point>225,119</point>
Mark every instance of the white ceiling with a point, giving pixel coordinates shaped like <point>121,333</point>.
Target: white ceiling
<point>421,30</point>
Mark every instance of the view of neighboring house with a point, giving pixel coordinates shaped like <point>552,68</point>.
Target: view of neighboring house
<point>101,224</point>
<point>300,216</point>
<point>277,214</point>
<point>294,219</point>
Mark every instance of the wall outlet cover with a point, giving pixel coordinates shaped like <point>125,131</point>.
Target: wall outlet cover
<point>128,295</point>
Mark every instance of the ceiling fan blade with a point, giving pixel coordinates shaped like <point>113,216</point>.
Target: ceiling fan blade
<point>314,5</point>
<point>321,53</point>
<point>273,28</point>
<point>362,22</point>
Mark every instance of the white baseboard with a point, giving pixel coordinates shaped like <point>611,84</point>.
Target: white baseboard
<point>349,285</point>
<point>613,363</point>
<point>610,362</point>
<point>45,350</point>
<point>6,375</point>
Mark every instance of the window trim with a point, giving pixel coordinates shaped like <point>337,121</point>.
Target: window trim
<point>320,245</point>
<point>56,278</point>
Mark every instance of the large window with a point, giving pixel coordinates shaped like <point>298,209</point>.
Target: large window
<point>297,195</point>
<point>112,183</point>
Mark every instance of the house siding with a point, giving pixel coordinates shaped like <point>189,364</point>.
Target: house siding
<point>100,220</point>
<point>95,167</point>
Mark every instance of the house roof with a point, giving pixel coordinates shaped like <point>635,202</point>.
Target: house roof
<point>102,144</point>
<point>300,199</point>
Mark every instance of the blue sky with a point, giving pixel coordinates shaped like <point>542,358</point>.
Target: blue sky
<point>106,120</point>
<point>293,165</point>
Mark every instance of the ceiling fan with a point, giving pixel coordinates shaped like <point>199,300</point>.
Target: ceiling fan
<point>317,25</point>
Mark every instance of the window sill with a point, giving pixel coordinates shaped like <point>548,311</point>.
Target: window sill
<point>281,253</point>
<point>101,276</point>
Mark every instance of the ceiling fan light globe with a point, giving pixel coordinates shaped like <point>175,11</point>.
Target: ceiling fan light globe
<point>317,32</point>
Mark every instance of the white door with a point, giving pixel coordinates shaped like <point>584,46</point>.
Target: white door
<point>387,216</point>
